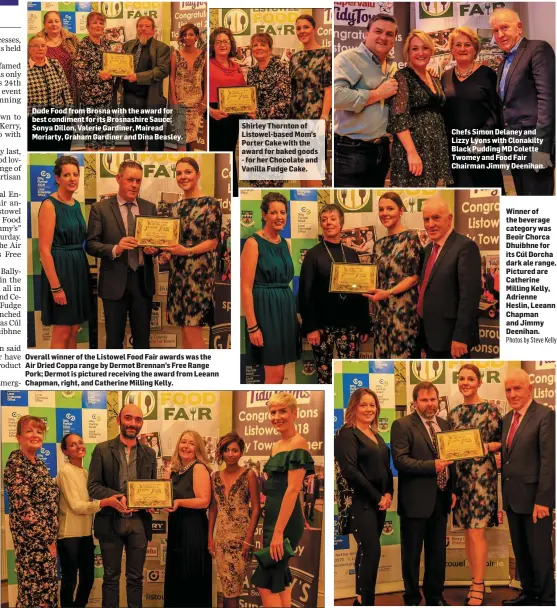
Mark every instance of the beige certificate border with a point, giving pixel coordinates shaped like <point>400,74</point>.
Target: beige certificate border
<point>249,108</point>
<point>107,60</point>
<point>336,272</point>
<point>134,494</point>
<point>444,436</point>
<point>145,241</point>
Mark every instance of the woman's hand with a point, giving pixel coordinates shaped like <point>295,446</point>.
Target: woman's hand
<point>114,503</point>
<point>376,295</point>
<point>388,500</point>
<point>177,250</point>
<point>175,505</point>
<point>103,75</point>
<point>150,250</point>
<point>211,547</point>
<point>415,165</point>
<point>59,298</point>
<point>382,505</point>
<point>216,114</point>
<point>52,549</point>
<point>277,546</point>
<point>314,337</point>
<point>256,338</point>
<point>247,548</point>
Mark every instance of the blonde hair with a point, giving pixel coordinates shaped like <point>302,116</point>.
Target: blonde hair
<point>285,399</point>
<point>500,13</point>
<point>354,401</point>
<point>469,33</point>
<point>425,38</point>
<point>200,452</point>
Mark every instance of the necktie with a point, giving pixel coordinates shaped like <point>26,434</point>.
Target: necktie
<point>428,268</point>
<point>512,430</point>
<point>133,254</point>
<point>441,475</point>
<point>137,54</point>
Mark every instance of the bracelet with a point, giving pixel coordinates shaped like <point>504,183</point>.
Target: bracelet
<point>248,544</point>
<point>56,289</point>
<point>253,329</point>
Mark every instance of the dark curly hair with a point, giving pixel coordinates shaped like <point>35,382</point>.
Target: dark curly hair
<point>64,160</point>
<point>213,37</point>
<point>272,197</point>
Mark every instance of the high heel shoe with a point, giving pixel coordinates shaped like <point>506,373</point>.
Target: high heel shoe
<point>356,603</point>
<point>474,594</point>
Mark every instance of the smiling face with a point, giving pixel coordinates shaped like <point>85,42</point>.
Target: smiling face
<point>518,389</point>
<point>437,219</point>
<point>130,420</point>
<point>129,183</point>
<point>305,31</point>
<point>37,50</point>
<point>187,177</point>
<point>331,224</point>
<point>380,39</point>
<point>463,49</point>
<point>282,417</point>
<point>95,26</point>
<point>68,179</point>
<point>468,383</point>
<point>261,50</point>
<point>222,46</point>
<point>275,217</point>
<point>507,30</point>
<point>366,411</point>
<point>52,25</point>
<point>31,438</point>
<point>232,453</point>
<point>75,448</point>
<point>419,54</point>
<point>189,38</point>
<point>389,213</point>
<point>427,403</point>
<point>187,448</point>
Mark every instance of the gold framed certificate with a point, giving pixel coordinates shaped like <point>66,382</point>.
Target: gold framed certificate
<point>460,445</point>
<point>157,231</point>
<point>352,278</point>
<point>149,494</point>
<point>237,100</point>
<point>118,64</point>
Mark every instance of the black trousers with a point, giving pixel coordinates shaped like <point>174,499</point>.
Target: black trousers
<point>137,304</point>
<point>145,138</point>
<point>366,525</point>
<point>528,182</point>
<point>223,137</point>
<point>429,533</point>
<point>131,536</point>
<point>77,556</point>
<point>422,344</point>
<point>534,555</point>
<point>361,164</point>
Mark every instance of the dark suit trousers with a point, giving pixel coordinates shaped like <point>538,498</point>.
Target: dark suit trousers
<point>366,526</point>
<point>431,533</point>
<point>77,554</point>
<point>223,137</point>
<point>130,534</point>
<point>528,182</point>
<point>534,555</point>
<point>422,343</point>
<point>142,142</point>
<point>137,303</point>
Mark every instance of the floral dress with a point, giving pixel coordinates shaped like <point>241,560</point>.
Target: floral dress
<point>192,277</point>
<point>33,496</point>
<point>65,58</point>
<point>396,319</point>
<point>476,480</point>
<point>416,108</point>
<point>189,92</point>
<point>310,75</point>
<point>232,526</point>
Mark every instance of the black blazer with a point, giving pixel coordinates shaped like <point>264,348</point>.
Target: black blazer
<point>452,294</point>
<point>365,465</point>
<point>105,230</point>
<point>528,468</point>
<point>529,99</point>
<point>104,477</point>
<point>414,459</point>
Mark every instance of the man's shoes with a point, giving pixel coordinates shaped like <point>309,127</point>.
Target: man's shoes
<point>440,602</point>
<point>521,600</point>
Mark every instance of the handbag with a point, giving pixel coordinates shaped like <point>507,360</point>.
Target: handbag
<point>264,559</point>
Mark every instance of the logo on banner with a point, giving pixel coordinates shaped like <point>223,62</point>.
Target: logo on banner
<point>111,162</point>
<point>388,528</point>
<point>545,365</point>
<point>383,425</point>
<point>352,200</point>
<point>435,10</point>
<point>309,367</point>
<point>112,10</point>
<point>247,219</point>
<point>155,576</point>
<point>158,526</point>
<point>427,371</point>
<point>152,552</point>
<point>145,400</point>
<point>302,255</point>
<point>237,21</point>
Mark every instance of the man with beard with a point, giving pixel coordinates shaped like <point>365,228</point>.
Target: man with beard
<point>113,464</point>
<point>143,90</point>
<point>425,496</point>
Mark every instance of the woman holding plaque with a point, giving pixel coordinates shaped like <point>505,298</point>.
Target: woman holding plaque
<point>235,510</point>
<point>398,258</point>
<point>476,480</point>
<point>364,462</point>
<point>266,271</point>
<point>223,72</point>
<point>94,84</point>
<point>283,522</point>
<point>193,261</point>
<point>330,319</point>
<point>33,496</point>
<point>65,282</point>
<point>76,547</point>
<point>188,569</point>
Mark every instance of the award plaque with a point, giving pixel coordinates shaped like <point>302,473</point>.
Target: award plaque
<point>460,445</point>
<point>157,231</point>
<point>149,494</point>
<point>118,64</point>
<point>352,278</point>
<point>237,100</point>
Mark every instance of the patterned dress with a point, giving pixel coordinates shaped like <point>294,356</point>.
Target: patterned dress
<point>396,321</point>
<point>310,75</point>
<point>64,58</point>
<point>192,277</point>
<point>233,521</point>
<point>417,108</point>
<point>476,483</point>
<point>189,92</point>
<point>93,92</point>
<point>33,496</point>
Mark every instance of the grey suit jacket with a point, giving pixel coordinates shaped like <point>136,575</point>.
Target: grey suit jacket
<point>105,230</point>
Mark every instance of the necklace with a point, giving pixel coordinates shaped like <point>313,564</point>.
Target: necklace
<point>276,242</point>
<point>342,295</point>
<point>464,75</point>
<point>59,197</point>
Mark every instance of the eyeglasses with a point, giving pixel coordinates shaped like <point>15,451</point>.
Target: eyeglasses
<point>222,42</point>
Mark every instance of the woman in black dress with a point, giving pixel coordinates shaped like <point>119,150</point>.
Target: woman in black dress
<point>364,461</point>
<point>420,156</point>
<point>472,102</point>
<point>188,561</point>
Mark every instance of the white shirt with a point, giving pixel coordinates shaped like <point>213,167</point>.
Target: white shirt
<point>76,508</point>
<point>521,411</point>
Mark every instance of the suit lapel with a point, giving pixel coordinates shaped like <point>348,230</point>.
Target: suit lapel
<point>527,417</point>
<point>118,216</point>
<point>444,250</point>
<point>425,433</point>
<point>114,448</point>
<point>516,59</point>
<point>507,420</point>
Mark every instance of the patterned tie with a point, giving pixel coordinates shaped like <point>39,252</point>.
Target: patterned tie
<point>512,430</point>
<point>137,54</point>
<point>442,475</point>
<point>133,254</point>
<point>428,268</point>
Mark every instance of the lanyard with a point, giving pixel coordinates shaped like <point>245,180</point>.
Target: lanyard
<point>330,254</point>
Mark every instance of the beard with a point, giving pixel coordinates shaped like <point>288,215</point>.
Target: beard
<point>129,432</point>
<point>144,39</point>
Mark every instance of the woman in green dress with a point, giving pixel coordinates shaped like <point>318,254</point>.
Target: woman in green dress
<point>65,282</point>
<point>283,519</point>
<point>267,300</point>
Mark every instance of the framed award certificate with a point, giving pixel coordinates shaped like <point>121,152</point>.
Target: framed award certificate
<point>460,445</point>
<point>352,278</point>
<point>118,64</point>
<point>157,231</point>
<point>149,494</point>
<point>237,100</point>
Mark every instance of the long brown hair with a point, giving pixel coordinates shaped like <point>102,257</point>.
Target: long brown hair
<point>354,401</point>
<point>200,452</point>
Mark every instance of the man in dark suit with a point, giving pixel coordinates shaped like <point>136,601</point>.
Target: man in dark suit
<point>126,277</point>
<point>113,464</point>
<point>528,479</point>
<point>450,287</point>
<point>526,86</point>
<point>143,90</point>
<point>425,496</point>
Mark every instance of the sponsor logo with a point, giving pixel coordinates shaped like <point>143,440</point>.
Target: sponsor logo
<point>155,576</point>
<point>309,367</point>
<point>152,552</point>
<point>383,425</point>
<point>433,10</point>
<point>247,218</point>
<point>158,527</point>
<point>388,528</point>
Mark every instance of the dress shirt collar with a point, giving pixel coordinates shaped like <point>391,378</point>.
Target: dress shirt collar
<point>122,202</point>
<point>524,409</point>
<point>32,64</point>
<point>512,52</point>
<point>373,56</point>
<point>442,242</point>
<point>427,420</point>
